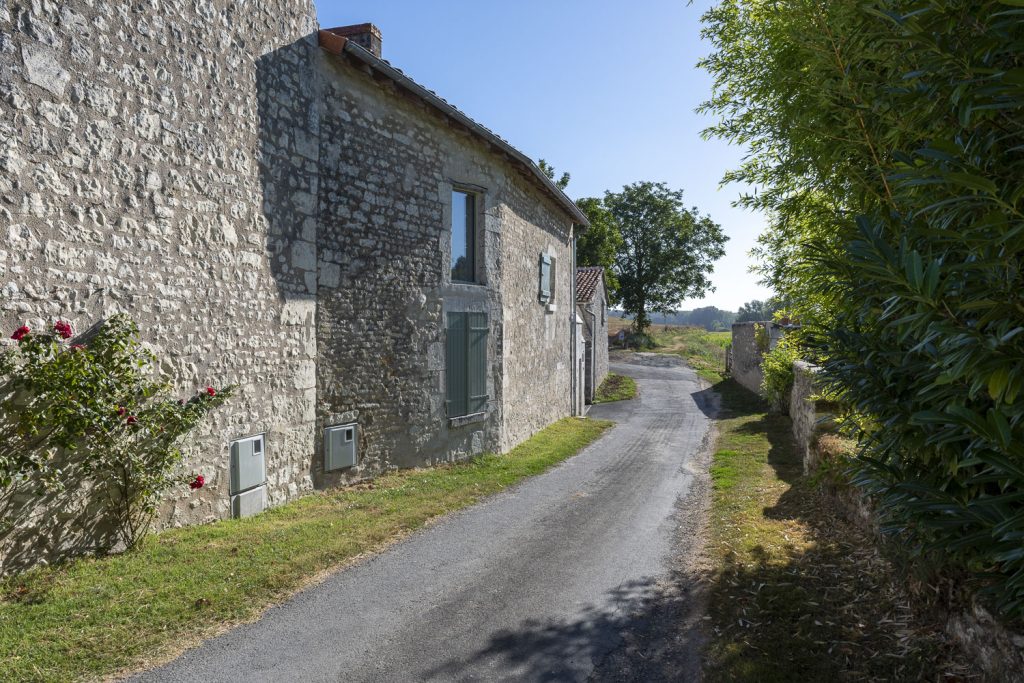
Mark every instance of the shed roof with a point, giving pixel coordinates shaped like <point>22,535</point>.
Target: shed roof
<point>382,69</point>
<point>588,279</point>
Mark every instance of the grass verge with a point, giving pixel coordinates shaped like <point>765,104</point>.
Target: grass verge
<point>615,388</point>
<point>800,592</point>
<point>91,618</point>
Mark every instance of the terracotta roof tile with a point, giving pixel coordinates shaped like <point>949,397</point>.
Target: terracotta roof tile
<point>587,280</point>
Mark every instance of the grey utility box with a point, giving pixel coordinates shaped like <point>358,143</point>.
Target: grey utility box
<point>248,464</point>
<point>248,476</point>
<point>341,447</point>
<point>249,502</point>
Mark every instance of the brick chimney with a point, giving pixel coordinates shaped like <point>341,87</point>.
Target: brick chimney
<point>364,35</point>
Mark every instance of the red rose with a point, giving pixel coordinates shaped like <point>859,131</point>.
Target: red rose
<point>197,483</point>
<point>63,329</point>
<point>20,333</point>
<point>77,347</point>
<point>210,391</point>
<point>131,419</point>
<point>121,410</point>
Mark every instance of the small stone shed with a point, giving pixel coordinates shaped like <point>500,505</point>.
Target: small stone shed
<point>592,304</point>
<point>388,282</point>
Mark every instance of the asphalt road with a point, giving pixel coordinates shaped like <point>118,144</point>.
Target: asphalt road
<point>578,574</point>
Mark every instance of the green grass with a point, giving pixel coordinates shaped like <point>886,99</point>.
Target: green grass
<point>91,618</point>
<point>704,351</point>
<point>615,388</point>
<point>800,593</point>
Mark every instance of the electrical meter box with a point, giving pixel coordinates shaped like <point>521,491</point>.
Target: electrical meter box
<point>248,464</point>
<point>341,447</point>
<point>249,502</point>
<point>248,476</point>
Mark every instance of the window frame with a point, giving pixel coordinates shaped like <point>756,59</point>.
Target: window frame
<point>474,233</point>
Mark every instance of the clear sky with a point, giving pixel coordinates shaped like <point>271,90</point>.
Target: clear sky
<point>604,89</point>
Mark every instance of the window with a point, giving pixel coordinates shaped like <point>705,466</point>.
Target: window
<point>466,362</point>
<point>463,236</point>
<point>547,279</point>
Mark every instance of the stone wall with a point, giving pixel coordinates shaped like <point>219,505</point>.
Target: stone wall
<point>143,169</point>
<point>387,169</point>
<point>810,416</point>
<point>594,314</point>
<point>537,367</point>
<point>745,364</point>
<point>274,217</point>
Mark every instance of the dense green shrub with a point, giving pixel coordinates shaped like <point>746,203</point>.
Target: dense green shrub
<point>95,406</point>
<point>777,370</point>
<point>887,137</point>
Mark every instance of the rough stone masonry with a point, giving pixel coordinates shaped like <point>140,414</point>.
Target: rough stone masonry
<point>275,215</point>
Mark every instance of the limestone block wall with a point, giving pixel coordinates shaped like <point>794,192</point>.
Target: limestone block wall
<point>147,165</point>
<point>388,167</point>
<point>596,334</point>
<point>537,370</point>
<point>804,414</point>
<point>745,364</point>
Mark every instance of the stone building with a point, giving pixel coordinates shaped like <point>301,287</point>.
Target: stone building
<point>592,305</point>
<point>281,209</point>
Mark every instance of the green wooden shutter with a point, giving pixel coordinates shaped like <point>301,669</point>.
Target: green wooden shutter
<point>545,278</point>
<point>477,362</point>
<point>456,363</point>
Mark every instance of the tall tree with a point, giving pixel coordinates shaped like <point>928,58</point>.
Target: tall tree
<point>757,310</point>
<point>549,171</point>
<point>667,253</point>
<point>598,244</point>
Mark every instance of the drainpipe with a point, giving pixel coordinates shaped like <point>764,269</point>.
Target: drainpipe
<point>572,325</point>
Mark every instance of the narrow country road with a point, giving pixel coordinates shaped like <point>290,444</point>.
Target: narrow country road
<point>578,574</point>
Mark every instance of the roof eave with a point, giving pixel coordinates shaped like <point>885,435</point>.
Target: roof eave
<point>339,45</point>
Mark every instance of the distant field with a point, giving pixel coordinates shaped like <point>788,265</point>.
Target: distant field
<point>703,350</point>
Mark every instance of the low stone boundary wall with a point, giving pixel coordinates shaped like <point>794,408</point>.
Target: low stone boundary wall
<point>745,359</point>
<point>998,651</point>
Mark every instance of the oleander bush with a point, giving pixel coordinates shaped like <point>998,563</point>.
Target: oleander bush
<point>887,138</point>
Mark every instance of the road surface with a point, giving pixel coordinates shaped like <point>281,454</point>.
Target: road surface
<point>577,574</point>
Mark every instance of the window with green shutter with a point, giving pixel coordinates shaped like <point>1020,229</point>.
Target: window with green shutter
<point>546,273</point>
<point>466,360</point>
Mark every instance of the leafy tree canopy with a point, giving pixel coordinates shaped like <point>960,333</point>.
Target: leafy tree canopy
<point>598,244</point>
<point>667,253</point>
<point>549,171</point>
<point>758,310</point>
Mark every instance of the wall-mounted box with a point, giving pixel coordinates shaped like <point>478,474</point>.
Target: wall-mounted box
<point>249,502</point>
<point>248,476</point>
<point>341,447</point>
<point>248,464</point>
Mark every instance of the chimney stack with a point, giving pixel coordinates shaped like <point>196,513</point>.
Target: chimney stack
<point>364,35</point>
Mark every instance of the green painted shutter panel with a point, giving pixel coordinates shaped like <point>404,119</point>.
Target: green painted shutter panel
<point>477,366</point>
<point>545,278</point>
<point>456,363</point>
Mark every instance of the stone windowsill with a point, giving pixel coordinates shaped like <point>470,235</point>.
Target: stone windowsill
<point>463,420</point>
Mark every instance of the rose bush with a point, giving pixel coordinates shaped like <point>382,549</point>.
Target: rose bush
<point>98,408</point>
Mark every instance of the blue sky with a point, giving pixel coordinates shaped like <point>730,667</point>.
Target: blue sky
<point>604,89</point>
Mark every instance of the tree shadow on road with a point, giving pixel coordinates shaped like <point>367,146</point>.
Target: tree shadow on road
<point>635,635</point>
